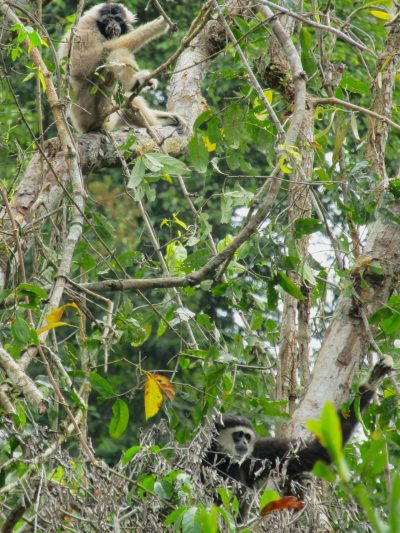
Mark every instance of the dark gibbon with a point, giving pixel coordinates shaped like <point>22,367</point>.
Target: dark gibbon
<point>236,453</point>
<point>101,61</point>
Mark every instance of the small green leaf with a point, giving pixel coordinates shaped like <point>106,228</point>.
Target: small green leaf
<point>28,289</point>
<point>152,162</point>
<point>198,153</point>
<point>289,286</point>
<point>120,420</point>
<point>354,85</point>
<point>323,471</point>
<point>267,497</point>
<point>137,173</point>
<point>306,226</point>
<point>394,513</point>
<point>21,331</point>
<point>130,452</point>
<point>394,187</point>
<point>233,120</point>
<point>101,385</point>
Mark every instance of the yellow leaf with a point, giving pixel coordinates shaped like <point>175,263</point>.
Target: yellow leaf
<point>179,222</point>
<point>53,318</point>
<point>208,144</point>
<point>152,396</point>
<point>165,385</point>
<point>380,14</point>
<point>42,81</point>
<point>53,325</point>
<point>167,177</point>
<point>285,169</point>
<point>268,95</point>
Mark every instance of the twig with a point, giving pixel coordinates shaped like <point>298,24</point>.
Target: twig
<point>314,24</point>
<point>353,107</point>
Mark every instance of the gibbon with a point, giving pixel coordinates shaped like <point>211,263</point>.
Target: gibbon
<point>237,454</point>
<point>102,59</point>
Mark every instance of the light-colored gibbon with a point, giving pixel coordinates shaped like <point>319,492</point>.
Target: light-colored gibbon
<point>101,61</point>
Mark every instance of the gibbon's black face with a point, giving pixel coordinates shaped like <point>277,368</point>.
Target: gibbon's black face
<point>112,21</point>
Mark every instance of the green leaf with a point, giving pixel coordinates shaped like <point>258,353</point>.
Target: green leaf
<point>394,187</point>
<point>267,497</point>
<point>169,164</point>
<point>354,85</point>
<point>198,153</point>
<point>306,226</point>
<point>323,471</point>
<point>289,286</point>
<point>130,452</point>
<point>120,420</point>
<point>329,432</point>
<point>189,524</point>
<point>27,289</point>
<point>377,525</point>
<point>137,173</point>
<point>152,162</point>
<point>175,517</point>
<point>391,324</point>
<point>21,331</point>
<point>101,385</point>
<point>394,509</point>
<point>233,119</point>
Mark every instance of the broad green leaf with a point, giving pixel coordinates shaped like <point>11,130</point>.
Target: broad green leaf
<point>394,509</point>
<point>198,153</point>
<point>21,331</point>
<point>289,286</point>
<point>101,385</point>
<point>120,420</point>
<point>189,523</point>
<point>306,226</point>
<point>377,525</point>
<point>152,163</point>
<point>323,471</point>
<point>130,452</point>
<point>137,173</point>
<point>268,496</point>
<point>354,85</point>
<point>233,119</point>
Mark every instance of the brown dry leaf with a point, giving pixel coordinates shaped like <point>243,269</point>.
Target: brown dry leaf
<point>287,502</point>
<point>166,386</point>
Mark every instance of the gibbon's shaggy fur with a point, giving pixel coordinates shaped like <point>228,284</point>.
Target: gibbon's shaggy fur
<point>237,454</point>
<point>102,59</point>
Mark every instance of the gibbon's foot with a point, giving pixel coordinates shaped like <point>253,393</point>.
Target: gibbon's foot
<point>383,367</point>
<point>170,119</point>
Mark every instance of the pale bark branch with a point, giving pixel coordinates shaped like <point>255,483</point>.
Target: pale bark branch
<point>22,382</point>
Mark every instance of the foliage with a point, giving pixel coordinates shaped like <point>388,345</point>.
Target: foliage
<point>118,355</point>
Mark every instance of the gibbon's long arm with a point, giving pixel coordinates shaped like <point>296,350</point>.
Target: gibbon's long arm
<point>136,39</point>
<point>305,458</point>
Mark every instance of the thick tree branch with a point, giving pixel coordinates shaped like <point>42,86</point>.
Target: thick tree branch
<point>346,339</point>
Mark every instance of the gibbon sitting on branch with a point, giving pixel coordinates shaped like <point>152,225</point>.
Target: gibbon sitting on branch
<point>237,454</point>
<point>101,60</point>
